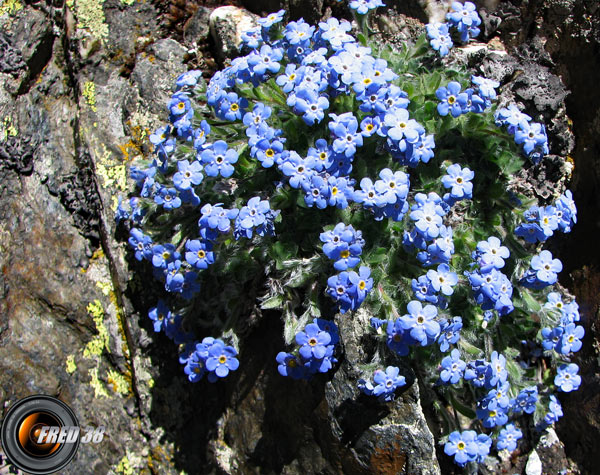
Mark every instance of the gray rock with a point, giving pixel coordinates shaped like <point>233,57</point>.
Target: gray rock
<point>226,27</point>
<point>197,28</point>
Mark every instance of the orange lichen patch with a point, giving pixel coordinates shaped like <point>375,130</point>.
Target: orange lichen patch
<point>388,459</point>
<point>129,151</point>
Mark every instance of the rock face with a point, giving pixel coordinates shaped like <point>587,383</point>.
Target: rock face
<point>82,85</point>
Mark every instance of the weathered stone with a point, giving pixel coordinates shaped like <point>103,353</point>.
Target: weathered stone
<point>72,121</point>
<point>226,26</point>
<point>197,28</point>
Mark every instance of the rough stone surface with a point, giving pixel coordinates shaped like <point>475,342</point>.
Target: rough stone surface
<point>226,26</point>
<point>81,87</point>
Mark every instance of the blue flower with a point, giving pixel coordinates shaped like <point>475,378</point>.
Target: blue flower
<point>427,214</point>
<point>141,244</point>
<point>476,372</point>
<point>313,342</point>
<point>544,271</point>
<point>462,446</point>
<point>271,19</point>
<point>420,322</point>
<point>508,437</point>
<point>491,254</point>
<point>525,401</point>
<point>221,360</point>
<point>459,181</point>
<point>443,280</point>
<point>566,206</point>
<point>552,338</point>
<point>347,137</point>
<point>392,186</point>
<point>567,378</point>
<point>465,19</point>
<point>311,105</point>
<point>451,99</point>
<point>423,290</point>
<point>265,60</point>
<point>397,339</point>
<point>195,368</point>
<point>450,333</point>
<point>335,32</point>
<point>329,327</point>
<point>452,368</point>
<point>401,126</point>
<point>188,78</point>
<point>362,283</point>
<point>298,31</point>
<point>290,365</point>
<point>497,370</point>
<point>554,411</point>
<point>162,255</point>
<point>199,254</point>
<point>179,104</point>
<point>167,197</point>
<point>439,37</point>
<point>571,339</point>
<point>530,135</point>
<point>188,175</point>
<point>384,383</point>
<point>363,6</point>
<point>219,159</point>
<point>491,413</point>
<point>159,315</point>
<point>252,37</point>
<point>486,87</point>
<point>341,290</point>
<point>231,107</point>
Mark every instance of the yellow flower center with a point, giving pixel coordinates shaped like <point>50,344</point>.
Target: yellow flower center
<point>222,359</point>
<point>344,254</point>
<point>201,254</point>
<point>269,153</point>
<point>234,107</point>
<point>362,284</point>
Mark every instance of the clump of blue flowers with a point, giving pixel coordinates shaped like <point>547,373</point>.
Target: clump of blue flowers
<point>319,175</point>
<point>462,19</point>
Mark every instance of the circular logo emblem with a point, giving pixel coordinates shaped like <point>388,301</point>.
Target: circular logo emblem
<point>40,435</point>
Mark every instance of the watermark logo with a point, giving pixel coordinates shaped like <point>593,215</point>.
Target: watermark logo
<point>41,435</point>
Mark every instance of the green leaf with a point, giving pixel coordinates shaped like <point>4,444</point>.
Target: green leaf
<point>293,325</point>
<point>276,301</point>
<point>462,408</point>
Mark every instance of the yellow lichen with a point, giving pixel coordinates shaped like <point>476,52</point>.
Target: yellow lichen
<point>113,173</point>
<point>10,7</point>
<point>100,341</point>
<point>127,2</point>
<point>90,17</point>
<point>89,93</point>
<point>105,287</point>
<point>120,383</point>
<point>7,129</point>
<point>96,384</point>
<point>70,364</point>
